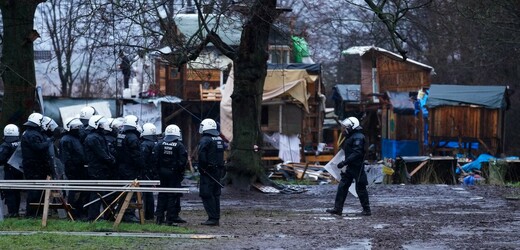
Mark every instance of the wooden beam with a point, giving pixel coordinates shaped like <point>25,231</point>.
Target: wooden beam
<point>418,167</point>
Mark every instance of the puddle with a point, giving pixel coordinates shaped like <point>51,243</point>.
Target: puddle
<point>424,246</point>
<point>356,245</point>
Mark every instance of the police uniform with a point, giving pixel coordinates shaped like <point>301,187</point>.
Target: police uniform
<point>129,157</point>
<point>12,196</point>
<point>147,145</point>
<point>354,148</point>
<point>35,162</point>
<point>170,158</point>
<point>211,163</point>
<point>73,158</point>
<point>129,160</point>
<point>99,162</point>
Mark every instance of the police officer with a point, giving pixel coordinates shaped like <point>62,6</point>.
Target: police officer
<point>170,158</point>
<point>98,158</point>
<point>110,135</point>
<point>211,164</point>
<point>129,157</point>
<point>73,158</point>
<point>148,141</point>
<point>7,148</point>
<point>128,147</point>
<point>35,158</point>
<point>354,148</point>
<point>84,116</point>
<point>51,131</point>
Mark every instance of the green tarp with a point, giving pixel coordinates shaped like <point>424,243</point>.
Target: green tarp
<point>492,97</point>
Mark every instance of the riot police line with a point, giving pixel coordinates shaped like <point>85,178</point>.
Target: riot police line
<point>96,148</point>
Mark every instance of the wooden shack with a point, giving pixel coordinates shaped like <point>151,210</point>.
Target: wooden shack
<point>385,78</point>
<point>291,108</point>
<point>466,119</point>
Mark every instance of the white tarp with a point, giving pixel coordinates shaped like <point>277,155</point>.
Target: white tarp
<point>336,172</point>
<point>292,82</point>
<point>146,112</point>
<point>289,148</point>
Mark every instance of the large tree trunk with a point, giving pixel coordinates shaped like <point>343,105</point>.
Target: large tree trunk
<point>249,75</point>
<point>18,61</point>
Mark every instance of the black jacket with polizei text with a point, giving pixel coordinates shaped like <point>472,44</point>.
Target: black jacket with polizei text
<point>169,155</point>
<point>211,152</point>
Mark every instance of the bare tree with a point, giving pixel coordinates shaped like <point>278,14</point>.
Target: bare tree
<point>18,73</point>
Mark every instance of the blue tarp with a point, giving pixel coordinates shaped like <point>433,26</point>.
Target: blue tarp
<point>476,164</point>
<point>394,148</point>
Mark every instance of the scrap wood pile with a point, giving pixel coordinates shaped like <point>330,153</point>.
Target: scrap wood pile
<point>300,171</point>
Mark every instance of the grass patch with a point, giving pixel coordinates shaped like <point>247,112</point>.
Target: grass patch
<point>14,224</point>
<point>58,242</point>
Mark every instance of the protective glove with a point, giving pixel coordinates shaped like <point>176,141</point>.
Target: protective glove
<point>341,164</point>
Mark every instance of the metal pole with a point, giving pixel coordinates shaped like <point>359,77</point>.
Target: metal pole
<point>95,188</point>
<point>81,182</point>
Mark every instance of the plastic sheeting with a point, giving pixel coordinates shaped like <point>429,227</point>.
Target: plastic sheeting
<point>492,97</point>
<point>292,82</point>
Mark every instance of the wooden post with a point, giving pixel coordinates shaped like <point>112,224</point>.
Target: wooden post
<point>123,208</point>
<point>46,207</point>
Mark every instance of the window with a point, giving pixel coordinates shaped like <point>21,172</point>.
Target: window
<point>279,54</point>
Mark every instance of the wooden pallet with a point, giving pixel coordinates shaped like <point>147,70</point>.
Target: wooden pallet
<point>210,94</point>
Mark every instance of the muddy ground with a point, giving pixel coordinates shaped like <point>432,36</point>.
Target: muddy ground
<point>404,217</point>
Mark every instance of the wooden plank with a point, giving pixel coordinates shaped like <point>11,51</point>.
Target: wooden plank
<point>46,207</point>
<point>319,158</point>
<point>119,217</point>
<point>418,167</point>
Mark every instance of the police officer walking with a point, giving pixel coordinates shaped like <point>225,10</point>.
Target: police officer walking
<point>98,158</point>
<point>354,148</point>
<point>35,158</point>
<point>73,158</point>
<point>210,164</point>
<point>148,141</point>
<point>7,148</point>
<point>170,158</point>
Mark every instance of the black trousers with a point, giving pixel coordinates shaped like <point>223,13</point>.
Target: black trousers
<point>210,192</point>
<point>169,203</point>
<point>361,189</point>
<point>77,198</point>
<point>12,196</point>
<point>34,196</point>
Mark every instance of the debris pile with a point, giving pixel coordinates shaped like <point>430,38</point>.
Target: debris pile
<point>300,171</point>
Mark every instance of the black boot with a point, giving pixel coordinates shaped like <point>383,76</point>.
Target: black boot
<point>210,223</point>
<point>366,211</point>
<point>178,220</point>
<point>159,220</point>
<point>335,211</point>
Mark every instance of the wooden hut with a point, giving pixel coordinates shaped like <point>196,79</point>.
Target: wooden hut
<point>466,119</point>
<point>388,86</point>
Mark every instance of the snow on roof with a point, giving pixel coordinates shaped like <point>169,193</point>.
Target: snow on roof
<point>361,50</point>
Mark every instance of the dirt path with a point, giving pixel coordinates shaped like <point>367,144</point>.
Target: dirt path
<point>404,217</point>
